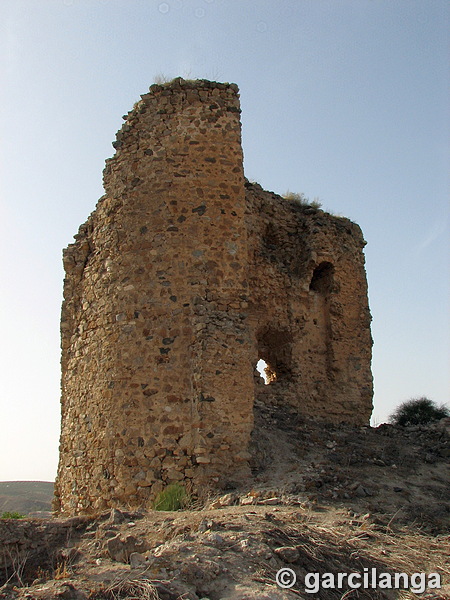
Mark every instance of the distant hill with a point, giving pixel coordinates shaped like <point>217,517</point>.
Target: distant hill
<point>26,497</point>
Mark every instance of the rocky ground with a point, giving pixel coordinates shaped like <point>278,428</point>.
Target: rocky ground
<point>323,499</point>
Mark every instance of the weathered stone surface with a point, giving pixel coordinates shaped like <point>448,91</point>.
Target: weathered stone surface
<point>184,277</point>
<point>287,553</point>
<point>137,560</point>
<point>121,548</point>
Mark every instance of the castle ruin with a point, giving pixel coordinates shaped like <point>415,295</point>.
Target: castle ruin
<point>183,277</point>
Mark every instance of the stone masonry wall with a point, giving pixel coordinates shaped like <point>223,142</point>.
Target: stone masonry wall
<point>180,280</point>
<point>30,547</point>
<point>308,311</point>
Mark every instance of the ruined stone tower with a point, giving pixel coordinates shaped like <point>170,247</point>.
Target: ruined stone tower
<point>183,277</point>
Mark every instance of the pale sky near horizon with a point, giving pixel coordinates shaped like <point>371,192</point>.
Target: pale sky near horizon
<point>345,100</point>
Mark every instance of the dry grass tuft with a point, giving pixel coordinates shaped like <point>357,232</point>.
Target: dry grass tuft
<point>131,589</point>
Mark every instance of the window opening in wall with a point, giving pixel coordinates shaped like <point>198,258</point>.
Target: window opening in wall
<point>322,278</point>
<point>265,371</point>
<point>274,354</point>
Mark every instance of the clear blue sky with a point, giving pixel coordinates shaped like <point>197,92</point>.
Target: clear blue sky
<point>347,100</point>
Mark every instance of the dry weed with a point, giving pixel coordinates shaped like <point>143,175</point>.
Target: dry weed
<point>132,589</point>
<point>62,571</point>
<point>18,562</point>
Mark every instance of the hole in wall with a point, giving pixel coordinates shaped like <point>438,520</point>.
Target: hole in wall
<point>322,278</point>
<point>266,372</point>
<point>274,354</point>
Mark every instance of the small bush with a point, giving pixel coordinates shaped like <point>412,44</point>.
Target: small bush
<point>418,411</point>
<point>302,199</point>
<point>12,515</point>
<point>295,197</point>
<point>174,497</point>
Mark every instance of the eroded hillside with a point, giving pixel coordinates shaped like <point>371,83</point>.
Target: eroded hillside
<point>322,499</point>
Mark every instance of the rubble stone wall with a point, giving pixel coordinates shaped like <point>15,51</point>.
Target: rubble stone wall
<point>308,313</point>
<point>29,547</point>
<point>181,279</point>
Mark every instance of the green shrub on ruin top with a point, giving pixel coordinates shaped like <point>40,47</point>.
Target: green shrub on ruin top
<point>418,411</point>
<point>173,497</point>
<point>11,515</point>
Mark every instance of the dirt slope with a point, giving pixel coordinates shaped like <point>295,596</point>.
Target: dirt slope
<point>322,500</point>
